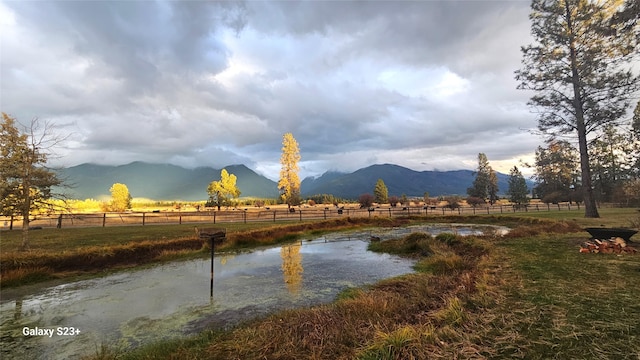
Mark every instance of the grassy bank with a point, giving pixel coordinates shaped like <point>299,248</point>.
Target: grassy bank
<point>528,295</point>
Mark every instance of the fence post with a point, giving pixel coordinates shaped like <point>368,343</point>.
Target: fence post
<point>180,219</point>
<point>214,216</point>
<point>274,216</point>
<point>300,214</point>
<point>244,216</point>
<point>59,224</point>
<point>104,219</point>
<point>143,218</point>
<point>488,210</point>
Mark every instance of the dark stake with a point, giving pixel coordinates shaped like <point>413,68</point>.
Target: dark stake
<point>212,235</point>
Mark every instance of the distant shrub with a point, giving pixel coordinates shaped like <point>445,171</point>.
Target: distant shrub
<point>475,201</point>
<point>365,200</point>
<point>555,197</point>
<point>393,200</point>
<point>453,202</point>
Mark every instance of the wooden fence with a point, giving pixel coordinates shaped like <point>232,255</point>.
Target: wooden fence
<point>263,215</point>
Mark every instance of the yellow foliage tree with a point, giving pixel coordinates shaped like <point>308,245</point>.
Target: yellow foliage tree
<point>289,184</point>
<point>120,197</point>
<point>221,192</point>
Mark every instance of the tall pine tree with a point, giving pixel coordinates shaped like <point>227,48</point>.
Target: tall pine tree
<point>480,187</point>
<point>380,192</point>
<point>518,189</point>
<point>579,69</point>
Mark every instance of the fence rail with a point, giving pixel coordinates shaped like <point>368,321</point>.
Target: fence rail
<point>264,215</point>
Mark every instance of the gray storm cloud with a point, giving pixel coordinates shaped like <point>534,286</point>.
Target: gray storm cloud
<point>212,84</point>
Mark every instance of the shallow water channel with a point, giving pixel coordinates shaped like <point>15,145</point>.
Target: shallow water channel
<point>170,300</point>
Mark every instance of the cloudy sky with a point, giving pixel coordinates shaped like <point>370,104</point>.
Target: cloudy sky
<point>423,84</point>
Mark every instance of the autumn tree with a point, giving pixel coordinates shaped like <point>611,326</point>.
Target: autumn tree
<point>518,191</point>
<point>579,68</point>
<point>289,184</point>
<point>120,198</point>
<point>365,200</point>
<point>25,180</point>
<point>380,192</point>
<point>393,201</point>
<point>453,201</point>
<point>221,192</point>
<point>474,201</point>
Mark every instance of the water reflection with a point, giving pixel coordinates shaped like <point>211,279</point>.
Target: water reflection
<point>292,267</point>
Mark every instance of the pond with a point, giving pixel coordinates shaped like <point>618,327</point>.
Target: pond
<point>172,300</point>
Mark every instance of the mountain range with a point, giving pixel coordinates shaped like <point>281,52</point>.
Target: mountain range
<point>171,182</point>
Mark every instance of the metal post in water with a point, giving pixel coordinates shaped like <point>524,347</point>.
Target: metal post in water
<point>212,253</point>
<point>211,235</point>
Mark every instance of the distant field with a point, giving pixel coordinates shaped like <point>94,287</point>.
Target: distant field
<point>276,213</point>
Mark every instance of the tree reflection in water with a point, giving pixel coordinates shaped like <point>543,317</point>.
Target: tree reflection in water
<point>292,267</point>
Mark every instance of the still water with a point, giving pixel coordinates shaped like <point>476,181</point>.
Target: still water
<point>167,301</point>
